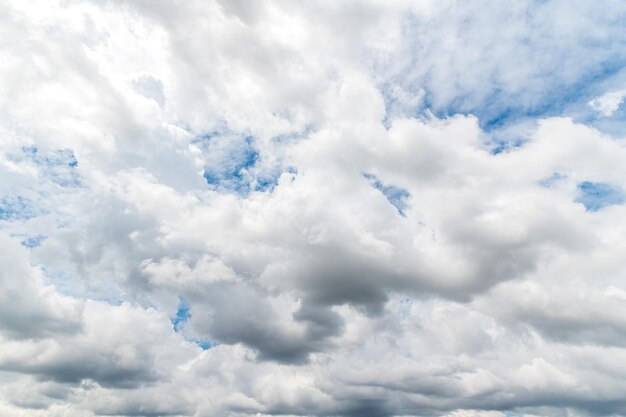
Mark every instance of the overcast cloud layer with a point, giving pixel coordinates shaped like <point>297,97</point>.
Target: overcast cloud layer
<point>312,208</point>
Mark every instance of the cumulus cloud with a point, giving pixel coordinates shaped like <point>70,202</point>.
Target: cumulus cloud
<point>608,103</point>
<point>375,208</point>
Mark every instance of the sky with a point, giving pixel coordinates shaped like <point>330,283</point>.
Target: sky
<point>327,208</point>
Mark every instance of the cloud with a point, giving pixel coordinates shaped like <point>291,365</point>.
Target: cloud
<point>322,209</point>
<point>29,308</point>
<point>608,103</point>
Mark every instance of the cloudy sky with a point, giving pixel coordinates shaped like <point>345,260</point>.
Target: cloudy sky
<point>359,208</point>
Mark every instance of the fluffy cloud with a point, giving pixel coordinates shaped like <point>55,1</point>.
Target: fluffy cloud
<point>608,103</point>
<point>324,209</point>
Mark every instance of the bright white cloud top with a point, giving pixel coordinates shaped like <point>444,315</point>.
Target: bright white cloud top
<point>322,208</point>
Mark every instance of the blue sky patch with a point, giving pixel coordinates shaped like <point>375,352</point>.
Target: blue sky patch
<point>503,146</point>
<point>182,315</point>
<point>33,241</point>
<point>14,208</point>
<point>59,165</point>
<point>265,184</point>
<point>520,86</point>
<point>395,195</point>
<point>233,164</point>
<point>551,180</point>
<point>203,344</point>
<point>597,195</point>
<point>229,161</point>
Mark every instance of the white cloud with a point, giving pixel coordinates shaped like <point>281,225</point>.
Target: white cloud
<point>608,103</point>
<point>189,224</point>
